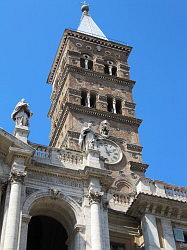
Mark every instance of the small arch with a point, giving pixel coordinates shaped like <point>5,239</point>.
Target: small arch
<point>62,208</point>
<point>86,62</point>
<point>110,68</point>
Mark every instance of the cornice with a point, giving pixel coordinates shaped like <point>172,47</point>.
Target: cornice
<point>15,152</point>
<point>98,41</point>
<point>93,112</point>
<point>92,74</point>
<point>151,204</point>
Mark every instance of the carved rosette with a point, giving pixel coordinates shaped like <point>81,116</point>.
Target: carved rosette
<point>17,176</point>
<point>95,196</point>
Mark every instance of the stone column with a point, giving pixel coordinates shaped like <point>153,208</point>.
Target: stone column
<point>95,196</point>
<point>86,63</point>
<point>150,232</point>
<point>114,105</point>
<point>5,217</point>
<point>169,239</point>
<point>13,216</point>
<point>110,70</point>
<point>24,231</point>
<point>88,100</point>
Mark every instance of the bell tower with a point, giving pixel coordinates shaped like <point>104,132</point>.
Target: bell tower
<point>90,79</point>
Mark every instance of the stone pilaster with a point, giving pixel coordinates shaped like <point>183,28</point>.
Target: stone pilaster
<point>13,216</point>
<point>24,231</point>
<point>150,232</point>
<point>168,234</point>
<point>95,196</point>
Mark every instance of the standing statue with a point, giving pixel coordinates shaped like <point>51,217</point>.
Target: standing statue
<point>21,113</point>
<point>88,138</point>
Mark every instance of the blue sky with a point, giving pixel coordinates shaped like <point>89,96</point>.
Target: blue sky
<point>30,32</point>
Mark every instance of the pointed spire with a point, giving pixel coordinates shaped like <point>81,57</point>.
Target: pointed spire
<point>87,24</point>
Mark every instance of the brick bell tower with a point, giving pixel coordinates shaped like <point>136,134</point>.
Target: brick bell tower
<point>90,80</point>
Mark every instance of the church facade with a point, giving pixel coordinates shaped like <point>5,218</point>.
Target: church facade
<point>87,190</point>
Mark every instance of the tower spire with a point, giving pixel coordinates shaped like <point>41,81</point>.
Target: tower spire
<point>87,24</point>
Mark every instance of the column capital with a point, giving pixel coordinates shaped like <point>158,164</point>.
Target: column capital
<point>95,196</point>
<point>26,218</point>
<point>17,175</point>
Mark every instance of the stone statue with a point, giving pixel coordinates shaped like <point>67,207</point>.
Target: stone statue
<point>88,138</point>
<point>21,113</point>
<point>104,128</point>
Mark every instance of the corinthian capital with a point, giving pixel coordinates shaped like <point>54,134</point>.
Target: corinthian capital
<point>95,195</point>
<point>17,175</point>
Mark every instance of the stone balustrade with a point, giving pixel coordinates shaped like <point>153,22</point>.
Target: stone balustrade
<point>120,198</point>
<point>161,189</point>
<point>58,157</point>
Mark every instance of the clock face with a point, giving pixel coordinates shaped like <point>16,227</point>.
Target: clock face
<point>110,151</point>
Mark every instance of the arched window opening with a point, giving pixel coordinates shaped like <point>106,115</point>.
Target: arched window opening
<point>92,100</point>
<point>46,233</point>
<point>110,69</point>
<point>83,98</point>
<point>109,104</point>
<point>118,106</point>
<point>86,62</point>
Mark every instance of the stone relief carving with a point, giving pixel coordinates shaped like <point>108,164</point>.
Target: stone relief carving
<point>54,192</point>
<point>21,113</point>
<point>105,128</point>
<point>88,139</point>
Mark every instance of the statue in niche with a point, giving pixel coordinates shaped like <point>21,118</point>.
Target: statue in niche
<point>88,138</point>
<point>104,128</point>
<point>21,113</point>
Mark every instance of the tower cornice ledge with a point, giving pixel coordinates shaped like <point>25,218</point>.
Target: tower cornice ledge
<point>85,37</point>
<point>93,112</point>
